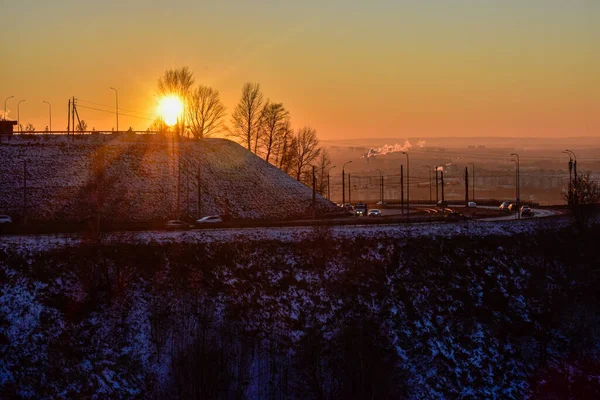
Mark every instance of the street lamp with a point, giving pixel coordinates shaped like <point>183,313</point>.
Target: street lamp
<point>407,185</point>
<point>570,197</point>
<point>19,116</point>
<point>518,184</point>
<point>574,187</point>
<point>344,183</point>
<point>429,170</point>
<point>4,116</point>
<point>116,106</point>
<point>49,113</point>
<point>473,174</point>
<point>328,192</point>
<point>380,185</point>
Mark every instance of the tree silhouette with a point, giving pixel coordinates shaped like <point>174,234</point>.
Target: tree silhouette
<point>275,122</point>
<point>205,112</point>
<point>82,126</point>
<point>29,127</point>
<point>305,148</point>
<point>245,120</point>
<point>177,82</point>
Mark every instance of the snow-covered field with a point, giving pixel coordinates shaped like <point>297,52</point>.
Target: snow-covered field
<point>137,180</point>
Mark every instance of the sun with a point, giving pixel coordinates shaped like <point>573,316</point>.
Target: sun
<point>170,108</point>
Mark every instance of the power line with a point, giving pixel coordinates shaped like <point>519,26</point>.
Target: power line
<point>113,112</point>
<point>120,108</point>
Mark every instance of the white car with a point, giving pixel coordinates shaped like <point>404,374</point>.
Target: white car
<point>5,219</point>
<point>374,213</point>
<point>211,219</point>
<point>472,204</point>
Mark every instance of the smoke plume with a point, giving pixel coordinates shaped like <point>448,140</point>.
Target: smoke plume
<point>393,148</point>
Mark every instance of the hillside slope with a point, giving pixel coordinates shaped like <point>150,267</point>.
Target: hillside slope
<point>137,180</point>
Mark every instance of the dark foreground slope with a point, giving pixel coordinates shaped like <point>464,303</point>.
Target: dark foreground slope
<point>317,317</point>
<point>144,178</point>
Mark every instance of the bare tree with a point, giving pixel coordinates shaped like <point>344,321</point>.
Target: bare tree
<point>305,149</point>
<point>205,112</point>
<point>284,155</point>
<point>177,82</point>
<point>245,120</point>
<point>29,127</point>
<point>82,126</point>
<point>159,126</point>
<point>323,163</point>
<point>275,122</point>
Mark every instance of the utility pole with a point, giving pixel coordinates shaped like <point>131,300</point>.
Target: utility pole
<point>24,191</point>
<point>407,185</point>
<point>314,194</point>
<point>344,183</point>
<point>69,120</point>
<point>442,181</point>
<point>19,116</point>
<point>116,105</point>
<point>518,185</point>
<point>382,191</point>
<point>473,174</point>
<point>328,190</point>
<point>49,114</point>
<point>436,185</point>
<point>4,115</point>
<point>349,190</point>
<point>570,192</point>
<point>466,186</point>
<point>178,185</point>
<point>199,184</point>
<point>402,188</point>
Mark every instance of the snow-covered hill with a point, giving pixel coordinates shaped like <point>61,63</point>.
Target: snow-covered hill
<point>136,179</point>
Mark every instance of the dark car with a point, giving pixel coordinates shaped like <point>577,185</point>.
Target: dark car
<point>442,204</point>
<point>504,206</point>
<point>360,209</point>
<point>526,211</point>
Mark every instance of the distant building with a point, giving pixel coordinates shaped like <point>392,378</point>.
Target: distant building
<point>6,127</point>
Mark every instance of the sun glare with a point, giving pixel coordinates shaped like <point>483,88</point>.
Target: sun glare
<point>170,108</point>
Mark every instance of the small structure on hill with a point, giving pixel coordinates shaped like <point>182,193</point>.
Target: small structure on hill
<point>6,127</point>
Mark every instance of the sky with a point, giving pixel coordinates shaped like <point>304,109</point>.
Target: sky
<point>350,69</point>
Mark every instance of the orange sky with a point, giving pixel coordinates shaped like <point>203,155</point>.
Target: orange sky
<point>373,69</point>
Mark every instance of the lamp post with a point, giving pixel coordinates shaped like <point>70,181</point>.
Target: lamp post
<point>344,183</point>
<point>328,191</point>
<point>518,182</point>
<point>429,170</point>
<point>380,185</point>
<point>116,106</point>
<point>407,185</point>
<point>436,185</point>
<point>473,174</point>
<point>4,116</point>
<point>19,116</point>
<point>574,186</point>
<point>570,196</point>
<point>49,113</point>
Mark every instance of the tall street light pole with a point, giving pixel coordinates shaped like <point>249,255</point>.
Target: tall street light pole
<point>407,185</point>
<point>4,116</point>
<point>518,183</point>
<point>429,170</point>
<point>380,185</point>
<point>49,113</point>
<point>328,191</point>
<point>575,193</point>
<point>19,116</point>
<point>570,196</point>
<point>344,183</point>
<point>473,174</point>
<point>116,106</point>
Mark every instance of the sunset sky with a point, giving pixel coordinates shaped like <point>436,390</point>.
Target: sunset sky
<point>411,68</point>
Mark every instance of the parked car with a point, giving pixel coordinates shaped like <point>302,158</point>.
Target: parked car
<point>349,207</point>
<point>176,224</point>
<point>210,219</point>
<point>512,207</point>
<point>472,204</point>
<point>526,211</point>
<point>374,213</point>
<point>381,203</point>
<point>5,219</point>
<point>504,206</point>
